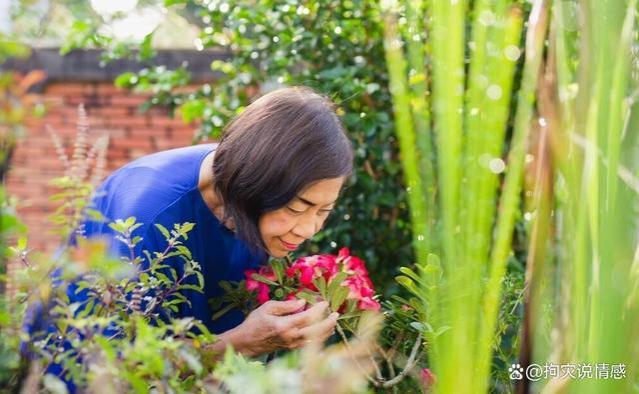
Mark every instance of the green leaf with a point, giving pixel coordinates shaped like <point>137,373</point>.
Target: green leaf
<point>192,110</point>
<point>192,287</point>
<point>320,283</point>
<point>139,385</point>
<point>200,279</point>
<point>106,346</point>
<point>408,284</point>
<point>310,297</point>
<point>168,3</point>
<point>263,279</point>
<point>184,250</point>
<point>163,230</point>
<point>54,384</point>
<point>410,273</point>
<point>336,283</point>
<point>222,311</point>
<point>130,221</point>
<point>125,80</point>
<point>338,297</point>
<point>146,50</point>
<point>278,269</point>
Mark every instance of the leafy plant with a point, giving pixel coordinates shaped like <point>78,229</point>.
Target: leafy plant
<point>95,320</point>
<point>593,192</point>
<point>582,188</point>
<point>106,325</point>
<point>465,146</point>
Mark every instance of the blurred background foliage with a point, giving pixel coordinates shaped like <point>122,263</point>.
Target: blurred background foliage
<point>334,47</point>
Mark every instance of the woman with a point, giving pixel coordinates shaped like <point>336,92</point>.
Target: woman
<point>266,188</point>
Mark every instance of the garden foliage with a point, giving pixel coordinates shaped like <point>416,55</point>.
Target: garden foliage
<point>455,117</point>
<point>335,47</point>
<point>469,83</point>
<point>105,325</point>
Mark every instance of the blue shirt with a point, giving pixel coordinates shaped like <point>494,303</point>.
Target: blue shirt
<point>163,188</point>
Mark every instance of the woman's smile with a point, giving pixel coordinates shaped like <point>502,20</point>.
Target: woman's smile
<point>288,246</point>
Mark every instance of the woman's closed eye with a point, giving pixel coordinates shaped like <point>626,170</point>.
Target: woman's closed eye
<point>322,212</point>
<point>295,211</point>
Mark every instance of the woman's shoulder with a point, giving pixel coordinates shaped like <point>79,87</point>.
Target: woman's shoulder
<point>170,169</point>
<point>148,185</point>
<point>189,157</point>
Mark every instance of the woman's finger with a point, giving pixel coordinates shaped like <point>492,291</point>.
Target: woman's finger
<point>314,314</point>
<point>320,330</point>
<point>281,308</point>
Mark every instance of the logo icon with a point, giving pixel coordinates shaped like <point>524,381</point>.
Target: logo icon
<point>515,372</point>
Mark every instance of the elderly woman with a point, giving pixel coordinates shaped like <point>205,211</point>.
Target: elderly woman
<point>265,189</point>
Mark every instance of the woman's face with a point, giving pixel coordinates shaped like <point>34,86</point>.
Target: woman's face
<point>284,229</point>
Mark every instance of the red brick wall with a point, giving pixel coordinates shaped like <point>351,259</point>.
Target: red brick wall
<point>111,111</point>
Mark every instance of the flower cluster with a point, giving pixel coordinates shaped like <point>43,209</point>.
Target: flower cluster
<point>261,288</point>
<point>341,279</point>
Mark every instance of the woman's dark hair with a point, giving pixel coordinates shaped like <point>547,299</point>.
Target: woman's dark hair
<point>281,144</point>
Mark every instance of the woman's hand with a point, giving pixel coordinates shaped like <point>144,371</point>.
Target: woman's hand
<point>275,325</point>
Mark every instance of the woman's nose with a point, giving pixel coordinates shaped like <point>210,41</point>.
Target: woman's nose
<point>306,227</point>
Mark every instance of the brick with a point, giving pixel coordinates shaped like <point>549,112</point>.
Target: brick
<point>31,210</point>
<point>130,122</point>
<point>157,112</point>
<point>166,122</point>
<point>165,144</point>
<point>66,89</point>
<point>88,100</point>
<point>52,101</point>
<point>115,164</point>
<point>54,119</point>
<point>109,112</point>
<point>20,189</point>
<point>112,132</point>
<point>117,153</point>
<point>108,89</point>
<point>133,143</point>
<point>182,131</point>
<point>136,153</point>
<point>147,133</point>
<point>130,101</point>
<point>48,162</point>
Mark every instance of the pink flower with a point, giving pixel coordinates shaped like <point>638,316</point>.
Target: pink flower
<point>251,284</point>
<point>356,265</point>
<point>255,285</point>
<point>368,304</point>
<point>306,270</point>
<point>262,294</point>
<point>305,274</point>
<point>267,272</point>
<point>359,287</point>
<point>343,253</point>
<point>326,266</point>
<point>428,378</point>
<point>290,297</point>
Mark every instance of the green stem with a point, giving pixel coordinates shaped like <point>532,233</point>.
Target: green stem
<point>509,201</point>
